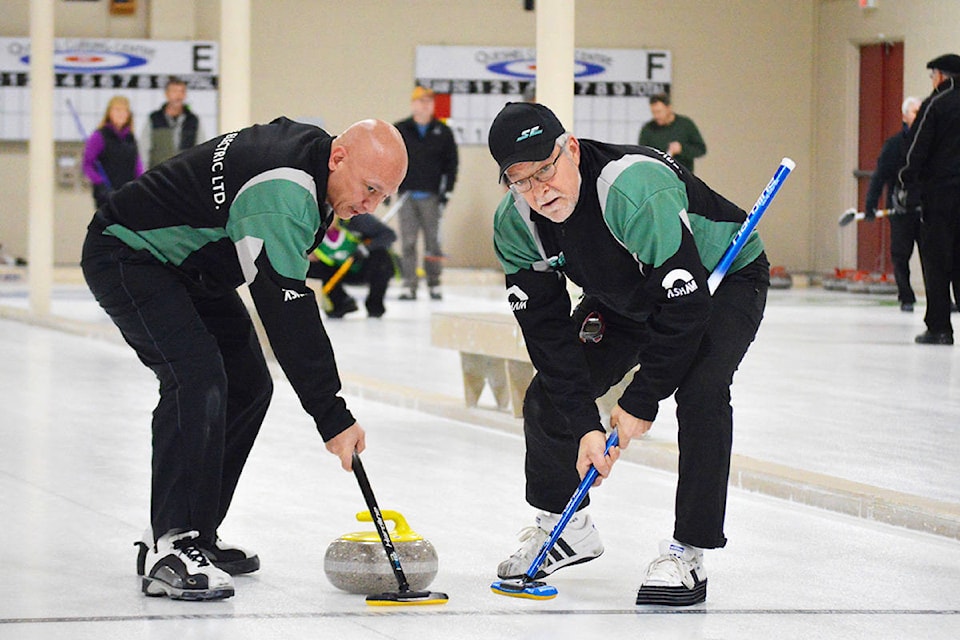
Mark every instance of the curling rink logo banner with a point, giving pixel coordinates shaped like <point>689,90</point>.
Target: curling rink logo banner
<point>89,71</point>
<point>611,87</point>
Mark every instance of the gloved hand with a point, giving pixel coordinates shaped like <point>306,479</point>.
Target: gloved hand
<point>905,202</point>
<point>870,213</point>
<point>362,251</point>
<point>443,197</point>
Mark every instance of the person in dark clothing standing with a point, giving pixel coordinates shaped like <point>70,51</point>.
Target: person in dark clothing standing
<point>930,183</point>
<point>367,240</point>
<point>172,128</point>
<point>904,229</point>
<point>433,172</point>
<point>164,257</point>
<point>110,157</point>
<point>639,234</point>
<point>672,133</point>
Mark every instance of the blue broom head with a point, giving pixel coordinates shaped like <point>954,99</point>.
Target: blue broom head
<point>532,589</point>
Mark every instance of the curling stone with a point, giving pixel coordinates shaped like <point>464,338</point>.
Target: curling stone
<point>357,563</point>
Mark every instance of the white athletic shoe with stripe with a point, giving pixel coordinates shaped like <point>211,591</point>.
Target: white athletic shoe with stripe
<point>580,542</point>
<point>677,578</point>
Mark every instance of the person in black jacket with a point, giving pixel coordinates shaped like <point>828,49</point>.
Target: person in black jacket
<point>433,172</point>
<point>110,158</point>
<point>930,183</point>
<point>164,257</point>
<point>904,229</point>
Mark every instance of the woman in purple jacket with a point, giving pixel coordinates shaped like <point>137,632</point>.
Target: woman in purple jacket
<point>110,158</point>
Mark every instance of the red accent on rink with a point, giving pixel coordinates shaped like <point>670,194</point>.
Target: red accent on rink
<point>441,106</point>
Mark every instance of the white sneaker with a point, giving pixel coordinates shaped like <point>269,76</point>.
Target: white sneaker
<point>232,558</point>
<point>580,542</point>
<point>179,569</point>
<point>677,578</point>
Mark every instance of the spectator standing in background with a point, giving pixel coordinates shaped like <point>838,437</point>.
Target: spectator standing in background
<point>172,128</point>
<point>672,133</point>
<point>433,157</point>
<point>904,229</point>
<point>110,157</point>
<point>930,185</point>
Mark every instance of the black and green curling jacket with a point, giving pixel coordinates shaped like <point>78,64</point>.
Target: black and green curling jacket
<point>246,207</point>
<point>642,240</point>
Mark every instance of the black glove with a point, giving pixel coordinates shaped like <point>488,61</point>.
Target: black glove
<point>362,251</point>
<point>898,199</point>
<point>870,213</point>
<point>443,197</point>
<point>905,202</point>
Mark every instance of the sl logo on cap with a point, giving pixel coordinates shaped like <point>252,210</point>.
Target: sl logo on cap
<point>529,133</point>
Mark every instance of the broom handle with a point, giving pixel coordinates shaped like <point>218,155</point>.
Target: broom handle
<point>371,501</point>
<point>612,440</point>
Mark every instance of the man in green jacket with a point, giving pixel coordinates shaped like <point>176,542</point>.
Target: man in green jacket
<point>164,257</point>
<point>639,234</point>
<point>672,133</point>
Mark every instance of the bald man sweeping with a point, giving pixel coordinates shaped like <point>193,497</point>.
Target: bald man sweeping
<point>164,258</point>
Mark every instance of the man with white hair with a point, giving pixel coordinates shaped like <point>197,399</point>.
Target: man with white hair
<point>905,228</point>
<point>639,234</point>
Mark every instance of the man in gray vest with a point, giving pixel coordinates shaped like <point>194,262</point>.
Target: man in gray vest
<point>172,128</point>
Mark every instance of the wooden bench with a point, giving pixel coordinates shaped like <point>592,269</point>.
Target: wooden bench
<point>493,352</point>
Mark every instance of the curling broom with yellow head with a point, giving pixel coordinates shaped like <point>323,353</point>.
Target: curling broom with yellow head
<point>405,596</point>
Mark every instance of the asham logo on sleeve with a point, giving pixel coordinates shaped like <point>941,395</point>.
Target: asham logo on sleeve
<point>679,282</point>
<point>517,298</point>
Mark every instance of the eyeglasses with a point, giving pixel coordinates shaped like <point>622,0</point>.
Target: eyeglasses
<point>543,174</point>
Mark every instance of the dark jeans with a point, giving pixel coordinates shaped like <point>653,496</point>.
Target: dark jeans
<point>214,383</point>
<point>904,234</point>
<point>704,414</point>
<point>376,269</point>
<point>940,254</point>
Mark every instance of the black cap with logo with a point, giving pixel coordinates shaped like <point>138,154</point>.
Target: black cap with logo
<point>523,132</point>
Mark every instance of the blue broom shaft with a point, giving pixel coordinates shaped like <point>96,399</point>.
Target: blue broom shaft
<point>740,239</point>
<point>570,509</point>
<point>83,134</point>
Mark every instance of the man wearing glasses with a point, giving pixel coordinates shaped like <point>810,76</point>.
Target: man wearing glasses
<point>639,234</point>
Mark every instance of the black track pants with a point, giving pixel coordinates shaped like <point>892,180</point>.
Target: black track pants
<point>376,269</point>
<point>904,233</point>
<point>214,382</point>
<point>704,414</point>
<point>940,254</point>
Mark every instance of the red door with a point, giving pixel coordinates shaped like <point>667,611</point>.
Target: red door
<point>881,94</point>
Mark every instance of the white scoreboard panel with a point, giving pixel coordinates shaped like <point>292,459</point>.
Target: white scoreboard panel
<point>611,87</point>
<point>90,71</point>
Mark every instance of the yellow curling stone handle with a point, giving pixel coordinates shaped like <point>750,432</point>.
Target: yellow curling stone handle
<point>401,530</point>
